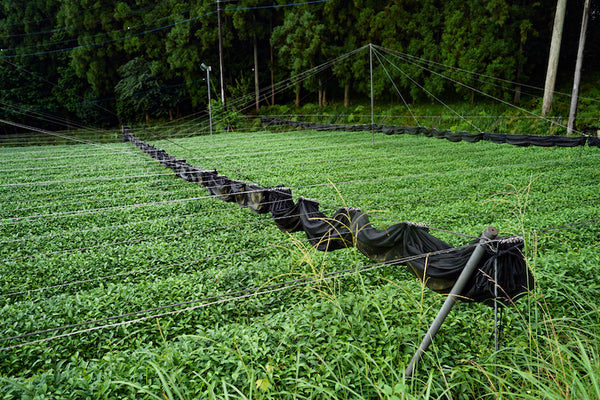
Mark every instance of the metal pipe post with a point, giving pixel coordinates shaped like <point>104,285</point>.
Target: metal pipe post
<point>221,74</point>
<point>209,105</point>
<point>496,317</point>
<point>578,64</point>
<point>489,234</point>
<point>372,98</point>
<point>207,68</point>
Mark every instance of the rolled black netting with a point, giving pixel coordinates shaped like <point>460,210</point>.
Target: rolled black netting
<point>515,140</point>
<point>432,260</point>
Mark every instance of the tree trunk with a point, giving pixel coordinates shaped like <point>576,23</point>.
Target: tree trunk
<point>347,95</point>
<point>320,96</point>
<point>272,69</point>
<point>256,84</point>
<point>559,20</point>
<point>517,98</point>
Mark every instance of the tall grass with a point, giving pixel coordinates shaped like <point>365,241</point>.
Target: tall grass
<point>542,355</point>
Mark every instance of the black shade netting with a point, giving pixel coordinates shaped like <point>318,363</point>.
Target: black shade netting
<point>325,233</point>
<point>284,211</point>
<point>438,264</point>
<point>432,260</point>
<point>516,140</point>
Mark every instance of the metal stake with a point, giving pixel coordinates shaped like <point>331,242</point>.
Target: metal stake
<point>372,98</point>
<point>221,55</point>
<point>489,234</point>
<point>496,317</point>
<point>208,69</point>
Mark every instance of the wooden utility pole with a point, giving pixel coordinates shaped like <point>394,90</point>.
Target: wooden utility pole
<point>221,55</point>
<point>559,20</point>
<point>577,78</point>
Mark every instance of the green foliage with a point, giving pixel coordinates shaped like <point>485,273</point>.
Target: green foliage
<point>134,237</point>
<point>138,90</point>
<point>63,57</point>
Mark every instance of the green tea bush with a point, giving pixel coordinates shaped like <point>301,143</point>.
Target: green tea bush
<point>93,233</point>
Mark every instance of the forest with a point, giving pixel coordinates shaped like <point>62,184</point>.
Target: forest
<point>143,257</point>
<point>103,63</point>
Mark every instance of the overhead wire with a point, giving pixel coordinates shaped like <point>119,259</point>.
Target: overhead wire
<point>151,30</point>
<point>211,300</point>
<point>100,22</point>
<point>248,101</point>
<point>304,186</point>
<point>83,212</point>
<point>427,91</point>
<point>397,90</point>
<point>51,170</point>
<point>425,61</point>
<point>43,79</point>
<point>84,152</point>
<point>478,91</point>
<point>137,272</point>
<point>67,214</point>
<point>125,194</point>
<point>175,311</point>
<point>138,240</point>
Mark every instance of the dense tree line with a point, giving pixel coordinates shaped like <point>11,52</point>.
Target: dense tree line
<point>99,62</point>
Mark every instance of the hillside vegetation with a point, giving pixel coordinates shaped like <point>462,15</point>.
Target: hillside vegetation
<point>74,63</point>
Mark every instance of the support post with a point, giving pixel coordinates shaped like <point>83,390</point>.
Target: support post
<point>496,333</point>
<point>489,234</point>
<point>221,55</point>
<point>256,82</point>
<point>577,77</point>
<point>126,132</point>
<point>557,30</point>
<point>372,98</point>
<point>208,69</point>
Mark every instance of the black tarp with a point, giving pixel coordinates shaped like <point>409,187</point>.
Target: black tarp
<point>326,233</point>
<point>435,262</point>
<point>444,263</point>
<point>501,138</point>
<point>284,211</point>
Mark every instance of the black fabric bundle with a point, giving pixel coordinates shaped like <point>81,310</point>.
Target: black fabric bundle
<point>405,242</point>
<point>326,234</point>
<point>594,141</point>
<point>516,140</point>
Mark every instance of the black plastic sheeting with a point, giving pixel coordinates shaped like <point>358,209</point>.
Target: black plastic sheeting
<point>516,140</point>
<point>430,259</point>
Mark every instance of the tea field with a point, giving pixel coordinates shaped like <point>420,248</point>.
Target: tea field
<point>120,280</point>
